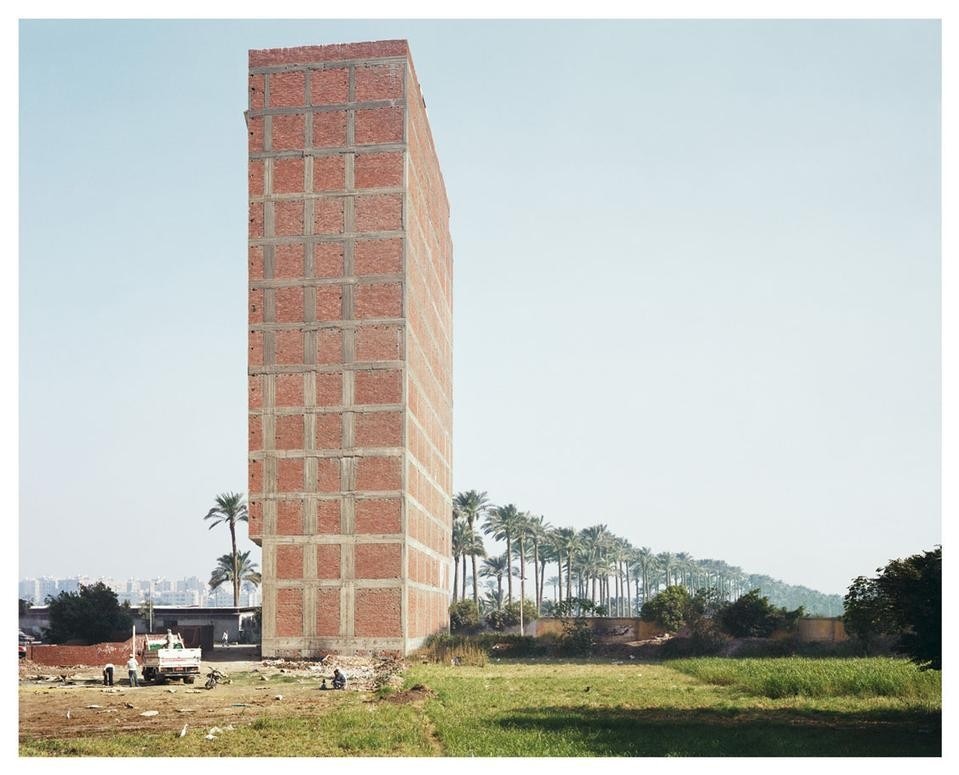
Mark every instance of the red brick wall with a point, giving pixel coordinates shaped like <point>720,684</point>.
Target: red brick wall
<point>429,379</point>
<point>350,355</point>
<point>100,654</point>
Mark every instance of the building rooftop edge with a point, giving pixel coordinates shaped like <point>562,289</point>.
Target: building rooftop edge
<point>296,55</point>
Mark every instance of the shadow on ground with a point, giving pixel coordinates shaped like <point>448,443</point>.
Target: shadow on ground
<point>238,653</point>
<point>705,732</point>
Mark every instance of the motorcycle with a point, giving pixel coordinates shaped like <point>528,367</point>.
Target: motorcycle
<point>215,677</point>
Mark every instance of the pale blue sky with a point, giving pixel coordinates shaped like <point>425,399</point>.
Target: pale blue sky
<point>696,282</point>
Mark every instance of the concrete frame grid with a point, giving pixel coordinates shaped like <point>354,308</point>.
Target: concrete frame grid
<point>350,352</point>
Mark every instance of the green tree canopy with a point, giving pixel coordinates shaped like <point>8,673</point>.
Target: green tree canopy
<point>669,608</point>
<point>905,599</point>
<point>753,616</point>
<point>92,614</point>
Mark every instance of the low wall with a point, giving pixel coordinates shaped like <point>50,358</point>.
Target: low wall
<point>819,629</point>
<point>612,629</point>
<point>604,628</point>
<point>118,652</point>
<point>98,654</point>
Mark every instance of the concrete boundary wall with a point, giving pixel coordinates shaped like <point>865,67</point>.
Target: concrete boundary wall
<point>809,630</point>
<point>607,628</point>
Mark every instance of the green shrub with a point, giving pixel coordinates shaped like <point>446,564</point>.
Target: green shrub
<point>704,640</point>
<point>576,639</point>
<point>511,646</point>
<point>508,616</point>
<point>753,616</point>
<point>464,616</point>
<point>443,648</point>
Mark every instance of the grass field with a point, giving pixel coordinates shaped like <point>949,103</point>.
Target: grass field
<point>697,707</point>
<point>797,676</point>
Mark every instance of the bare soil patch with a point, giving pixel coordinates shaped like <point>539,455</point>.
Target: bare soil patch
<point>416,693</point>
<point>71,701</point>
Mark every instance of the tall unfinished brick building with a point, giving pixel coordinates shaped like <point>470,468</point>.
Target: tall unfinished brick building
<point>350,359</point>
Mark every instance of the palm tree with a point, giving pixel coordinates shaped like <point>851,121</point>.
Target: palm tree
<point>471,505</point>
<point>496,567</point>
<point>460,540</point>
<point>617,555</point>
<point>230,508</point>
<point>668,564</point>
<point>685,562</point>
<point>566,541</point>
<point>503,523</point>
<point>234,568</point>
<point>645,559</point>
<point>556,583</point>
<point>538,532</point>
<point>596,541</point>
<point>522,536</point>
<point>473,547</point>
<point>492,600</point>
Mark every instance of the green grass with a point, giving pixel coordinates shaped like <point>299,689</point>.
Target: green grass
<point>543,709</point>
<point>697,707</point>
<point>798,676</point>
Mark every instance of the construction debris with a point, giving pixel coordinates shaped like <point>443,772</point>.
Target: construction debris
<point>363,673</point>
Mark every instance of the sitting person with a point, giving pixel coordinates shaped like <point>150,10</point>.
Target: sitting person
<point>339,679</point>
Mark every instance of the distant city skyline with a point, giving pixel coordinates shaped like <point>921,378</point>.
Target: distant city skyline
<point>189,591</point>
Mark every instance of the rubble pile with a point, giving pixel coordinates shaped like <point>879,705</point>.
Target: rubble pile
<point>364,673</point>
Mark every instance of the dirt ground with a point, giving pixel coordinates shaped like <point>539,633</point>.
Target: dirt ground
<point>72,701</point>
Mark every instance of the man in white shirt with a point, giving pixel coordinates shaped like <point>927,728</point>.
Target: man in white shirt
<point>132,667</point>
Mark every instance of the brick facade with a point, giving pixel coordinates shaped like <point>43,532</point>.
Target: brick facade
<point>350,359</point>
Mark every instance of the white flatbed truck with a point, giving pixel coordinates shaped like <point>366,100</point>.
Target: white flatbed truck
<point>161,663</point>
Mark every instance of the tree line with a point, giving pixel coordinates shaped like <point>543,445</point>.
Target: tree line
<point>591,564</point>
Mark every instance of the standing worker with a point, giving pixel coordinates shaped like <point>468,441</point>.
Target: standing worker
<point>226,638</point>
<point>132,669</point>
<point>108,674</point>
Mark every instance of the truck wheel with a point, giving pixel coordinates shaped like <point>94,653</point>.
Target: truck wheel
<point>188,679</point>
